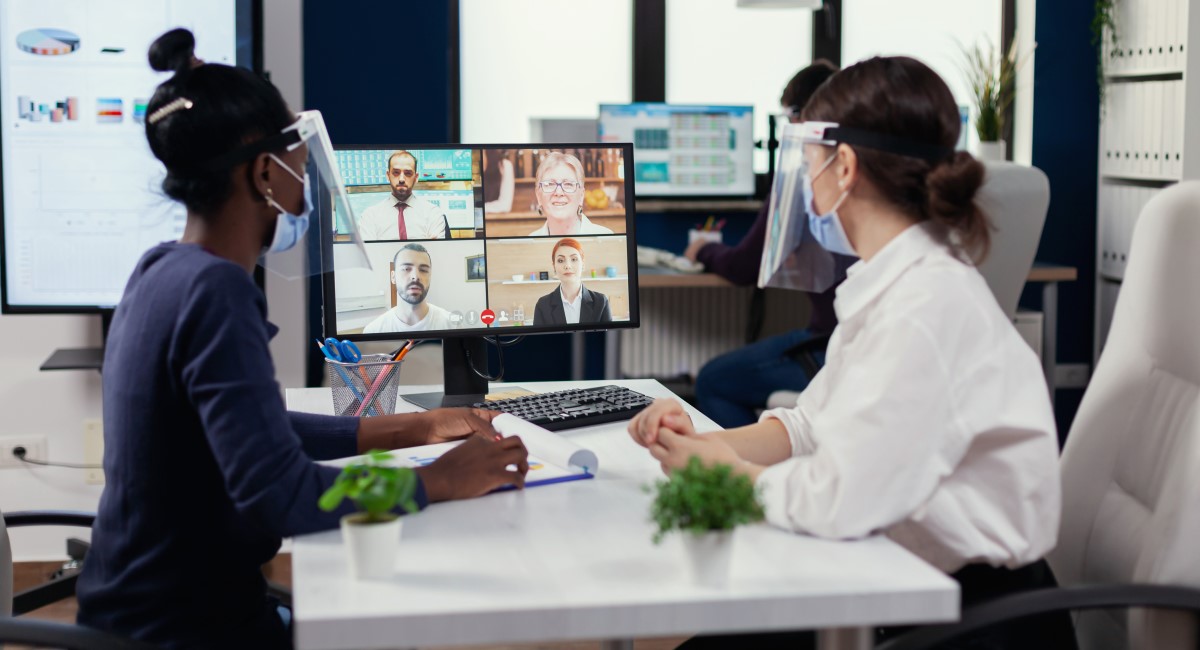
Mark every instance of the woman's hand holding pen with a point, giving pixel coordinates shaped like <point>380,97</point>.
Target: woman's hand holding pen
<point>476,467</point>
<point>412,429</point>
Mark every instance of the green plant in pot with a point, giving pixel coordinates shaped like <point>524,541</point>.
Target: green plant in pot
<point>993,80</point>
<point>376,489</point>
<point>705,503</point>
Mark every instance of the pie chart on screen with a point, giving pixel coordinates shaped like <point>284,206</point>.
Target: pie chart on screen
<point>47,42</point>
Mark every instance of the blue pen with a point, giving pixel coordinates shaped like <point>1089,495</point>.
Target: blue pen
<point>345,377</point>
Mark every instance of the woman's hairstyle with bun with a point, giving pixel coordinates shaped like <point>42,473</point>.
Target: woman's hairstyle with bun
<point>203,111</point>
<point>903,98</point>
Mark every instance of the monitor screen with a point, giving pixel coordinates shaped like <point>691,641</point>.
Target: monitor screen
<point>81,190</point>
<point>685,150</point>
<point>468,240</point>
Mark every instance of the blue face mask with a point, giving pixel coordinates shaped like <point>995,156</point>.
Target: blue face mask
<point>290,228</point>
<point>826,228</point>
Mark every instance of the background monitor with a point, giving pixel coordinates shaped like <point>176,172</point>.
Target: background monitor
<point>81,190</point>
<point>484,250</point>
<point>685,150</point>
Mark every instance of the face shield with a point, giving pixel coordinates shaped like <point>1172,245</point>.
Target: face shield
<point>332,232</point>
<point>792,257</point>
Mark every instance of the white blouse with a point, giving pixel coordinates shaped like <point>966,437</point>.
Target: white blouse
<point>931,420</point>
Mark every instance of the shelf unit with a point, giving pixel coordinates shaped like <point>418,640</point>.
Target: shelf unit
<point>1148,140</point>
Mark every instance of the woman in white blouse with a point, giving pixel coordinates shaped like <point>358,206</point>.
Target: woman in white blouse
<point>931,421</point>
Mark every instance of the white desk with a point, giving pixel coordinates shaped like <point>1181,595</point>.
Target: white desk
<point>574,561</point>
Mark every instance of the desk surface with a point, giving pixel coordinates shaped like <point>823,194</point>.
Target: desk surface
<point>656,278</point>
<point>575,561</point>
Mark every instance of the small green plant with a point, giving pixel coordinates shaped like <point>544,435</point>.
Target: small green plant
<point>699,499</point>
<point>993,79</point>
<point>1104,19</point>
<point>375,488</point>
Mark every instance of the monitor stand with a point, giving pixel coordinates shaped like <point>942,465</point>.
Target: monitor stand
<point>462,386</point>
<point>81,358</point>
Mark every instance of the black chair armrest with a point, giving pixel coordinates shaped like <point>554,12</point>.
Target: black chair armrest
<point>1045,601</point>
<point>43,634</point>
<point>49,518</point>
<point>805,353</point>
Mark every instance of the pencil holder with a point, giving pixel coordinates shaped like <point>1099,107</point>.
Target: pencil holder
<point>364,389</point>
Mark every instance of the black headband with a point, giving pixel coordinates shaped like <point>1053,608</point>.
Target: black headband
<point>888,143</point>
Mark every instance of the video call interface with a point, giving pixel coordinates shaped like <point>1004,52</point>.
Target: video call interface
<point>465,240</point>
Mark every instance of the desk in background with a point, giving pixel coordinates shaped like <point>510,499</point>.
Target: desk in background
<point>574,561</point>
<point>1047,275</point>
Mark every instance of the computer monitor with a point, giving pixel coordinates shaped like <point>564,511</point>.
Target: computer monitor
<point>685,150</point>
<point>82,196</point>
<point>468,241</point>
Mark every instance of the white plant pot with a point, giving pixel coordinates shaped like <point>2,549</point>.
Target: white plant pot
<point>371,547</point>
<point>995,151</point>
<point>710,555</point>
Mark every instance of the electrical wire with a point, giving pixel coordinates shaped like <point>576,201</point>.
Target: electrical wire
<point>19,454</point>
<point>500,345</point>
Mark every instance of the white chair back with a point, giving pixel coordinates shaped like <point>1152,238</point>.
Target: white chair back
<point>1131,467</point>
<point>1016,198</point>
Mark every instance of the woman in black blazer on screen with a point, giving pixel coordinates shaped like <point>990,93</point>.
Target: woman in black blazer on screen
<point>571,302</point>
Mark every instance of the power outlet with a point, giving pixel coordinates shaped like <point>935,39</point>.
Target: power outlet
<point>35,447</point>
<point>93,450</point>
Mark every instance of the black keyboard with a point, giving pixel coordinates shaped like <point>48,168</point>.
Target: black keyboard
<point>569,409</point>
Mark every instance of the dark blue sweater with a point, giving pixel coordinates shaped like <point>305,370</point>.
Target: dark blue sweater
<point>205,470</point>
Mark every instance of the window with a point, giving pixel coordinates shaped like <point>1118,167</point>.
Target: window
<point>521,59</point>
<point>718,53</point>
<point>933,31</point>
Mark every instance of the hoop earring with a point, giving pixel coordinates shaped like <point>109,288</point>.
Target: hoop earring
<point>539,211</point>
<point>579,212</point>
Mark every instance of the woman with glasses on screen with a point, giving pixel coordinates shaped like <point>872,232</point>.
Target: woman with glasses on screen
<point>571,302</point>
<point>930,422</point>
<point>559,192</point>
<point>206,470</point>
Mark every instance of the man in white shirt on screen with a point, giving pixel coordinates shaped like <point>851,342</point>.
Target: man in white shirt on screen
<point>412,269</point>
<point>403,215</point>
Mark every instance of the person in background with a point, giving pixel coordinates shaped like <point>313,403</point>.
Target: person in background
<point>205,469</point>
<point>763,367</point>
<point>930,422</point>
<point>559,192</point>
<point>499,181</point>
<point>403,215</point>
<point>410,278</point>
<point>571,302</point>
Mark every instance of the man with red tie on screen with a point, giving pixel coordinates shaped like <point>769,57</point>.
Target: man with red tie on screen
<point>403,215</point>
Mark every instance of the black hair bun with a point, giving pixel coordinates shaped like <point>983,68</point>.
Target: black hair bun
<point>173,51</point>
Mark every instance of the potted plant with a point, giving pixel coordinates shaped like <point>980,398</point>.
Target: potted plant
<point>1104,24</point>
<point>993,80</point>
<point>372,533</point>
<point>705,504</point>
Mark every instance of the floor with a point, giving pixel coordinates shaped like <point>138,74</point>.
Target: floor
<point>279,571</point>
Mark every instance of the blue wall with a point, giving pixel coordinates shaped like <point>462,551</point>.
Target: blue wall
<point>1065,143</point>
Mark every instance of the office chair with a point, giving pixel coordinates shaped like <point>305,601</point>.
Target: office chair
<point>1131,466</point>
<point>1016,199</point>
<point>44,633</point>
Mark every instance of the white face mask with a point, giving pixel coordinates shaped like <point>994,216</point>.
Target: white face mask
<point>290,228</point>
